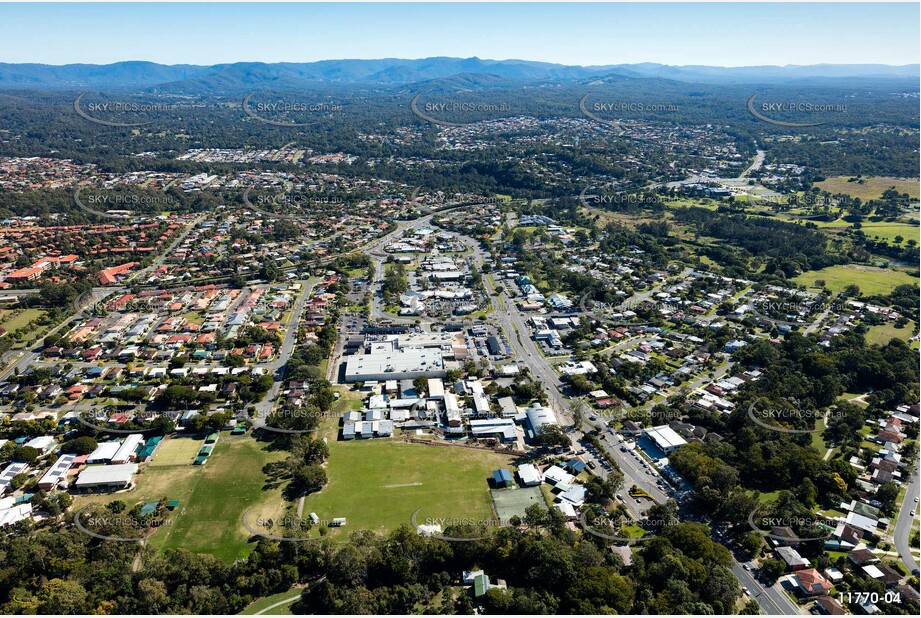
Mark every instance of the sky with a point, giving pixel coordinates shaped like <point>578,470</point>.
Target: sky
<point>720,34</point>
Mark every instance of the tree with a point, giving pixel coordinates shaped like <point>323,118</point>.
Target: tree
<point>308,479</point>
<point>270,271</point>
<point>752,542</point>
<point>887,494</point>
<point>60,596</point>
<point>772,568</point>
<point>552,435</point>
<point>153,594</point>
<point>420,383</point>
<point>83,445</point>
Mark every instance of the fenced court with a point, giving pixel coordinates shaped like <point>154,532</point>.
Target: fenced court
<point>176,452</point>
<point>510,502</point>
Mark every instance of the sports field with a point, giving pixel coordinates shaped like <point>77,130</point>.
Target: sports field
<point>869,279</point>
<point>212,498</point>
<point>882,333</point>
<point>872,187</point>
<point>877,230</point>
<point>176,452</point>
<point>378,484</point>
<point>230,483</point>
<point>889,231</point>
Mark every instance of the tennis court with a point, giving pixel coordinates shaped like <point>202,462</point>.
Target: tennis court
<point>510,502</point>
<point>176,452</point>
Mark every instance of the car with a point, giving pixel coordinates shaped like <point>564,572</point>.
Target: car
<point>916,499</point>
<point>745,590</point>
<point>747,567</point>
<point>638,501</point>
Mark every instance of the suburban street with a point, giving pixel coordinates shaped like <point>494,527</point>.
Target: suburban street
<point>163,255</point>
<point>772,600</point>
<point>276,367</point>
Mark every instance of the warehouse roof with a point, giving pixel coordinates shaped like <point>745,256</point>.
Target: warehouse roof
<point>106,475</point>
<point>665,437</point>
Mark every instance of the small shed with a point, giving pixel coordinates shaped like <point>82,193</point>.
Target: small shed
<point>503,478</point>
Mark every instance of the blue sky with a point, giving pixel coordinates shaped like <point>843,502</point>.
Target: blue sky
<point>711,34</point>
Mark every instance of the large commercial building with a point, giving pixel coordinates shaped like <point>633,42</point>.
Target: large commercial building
<point>537,417</point>
<point>665,438</point>
<point>106,477</point>
<point>397,364</point>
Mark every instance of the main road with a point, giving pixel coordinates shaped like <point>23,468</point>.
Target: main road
<point>19,361</point>
<point>771,599</point>
<point>902,531</point>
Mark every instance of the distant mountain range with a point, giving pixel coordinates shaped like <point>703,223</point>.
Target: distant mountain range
<point>394,72</point>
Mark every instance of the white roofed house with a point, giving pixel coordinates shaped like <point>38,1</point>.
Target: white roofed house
<point>104,452</point>
<point>9,473</point>
<point>436,388</point>
<point>529,475</point>
<point>481,404</point>
<point>128,449</point>
<point>453,416</point>
<point>42,444</point>
<point>575,495</point>
<point>556,475</point>
<point>11,512</point>
<point>57,472</point>
<point>502,429</point>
